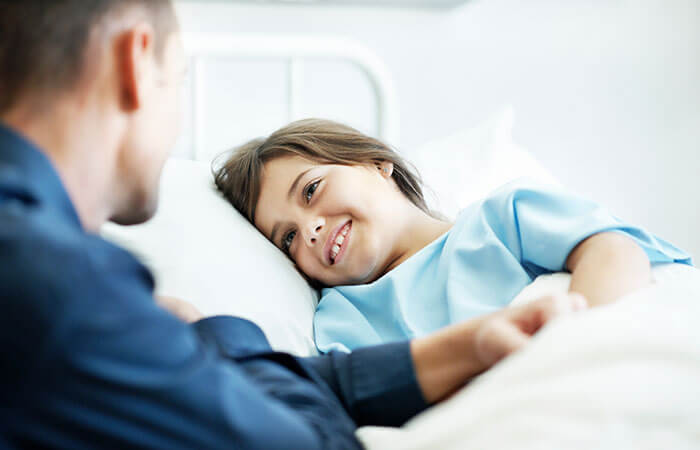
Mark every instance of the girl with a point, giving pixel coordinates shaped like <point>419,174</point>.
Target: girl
<point>350,212</point>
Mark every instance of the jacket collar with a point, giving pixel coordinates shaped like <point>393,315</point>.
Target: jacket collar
<point>26,173</point>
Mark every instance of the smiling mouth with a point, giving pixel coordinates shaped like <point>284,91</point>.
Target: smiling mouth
<point>340,243</point>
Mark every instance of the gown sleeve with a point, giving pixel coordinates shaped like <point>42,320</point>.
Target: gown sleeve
<point>541,225</point>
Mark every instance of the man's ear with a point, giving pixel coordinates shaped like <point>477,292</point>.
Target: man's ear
<point>135,54</point>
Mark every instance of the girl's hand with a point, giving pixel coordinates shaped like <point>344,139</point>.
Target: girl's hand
<point>182,309</point>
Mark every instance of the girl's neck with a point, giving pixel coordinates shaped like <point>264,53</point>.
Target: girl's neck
<point>420,231</point>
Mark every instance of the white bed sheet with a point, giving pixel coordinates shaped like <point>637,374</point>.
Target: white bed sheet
<point>622,376</point>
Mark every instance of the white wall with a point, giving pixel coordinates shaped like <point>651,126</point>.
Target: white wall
<point>606,92</point>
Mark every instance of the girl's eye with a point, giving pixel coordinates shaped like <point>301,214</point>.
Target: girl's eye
<point>287,241</point>
<point>310,189</point>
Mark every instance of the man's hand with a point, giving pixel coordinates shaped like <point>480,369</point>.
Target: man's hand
<point>508,330</point>
<point>447,359</point>
<point>182,309</point>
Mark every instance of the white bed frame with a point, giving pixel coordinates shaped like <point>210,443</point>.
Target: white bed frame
<point>294,51</point>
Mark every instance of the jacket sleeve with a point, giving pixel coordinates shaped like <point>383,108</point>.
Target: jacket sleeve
<point>376,385</point>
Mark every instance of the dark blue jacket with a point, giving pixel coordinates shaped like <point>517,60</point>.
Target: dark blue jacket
<point>89,360</point>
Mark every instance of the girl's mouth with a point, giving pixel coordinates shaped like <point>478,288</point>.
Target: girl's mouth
<point>339,243</point>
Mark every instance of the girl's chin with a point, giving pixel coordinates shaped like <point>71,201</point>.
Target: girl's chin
<point>350,277</point>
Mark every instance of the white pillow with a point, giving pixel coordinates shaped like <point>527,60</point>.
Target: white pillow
<point>468,165</point>
<point>201,250</point>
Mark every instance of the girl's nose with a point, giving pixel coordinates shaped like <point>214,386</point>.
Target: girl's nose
<point>314,230</point>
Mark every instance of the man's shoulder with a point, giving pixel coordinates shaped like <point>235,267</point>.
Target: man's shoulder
<point>34,237</point>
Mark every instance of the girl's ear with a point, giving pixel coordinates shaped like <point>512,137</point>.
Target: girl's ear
<point>386,168</point>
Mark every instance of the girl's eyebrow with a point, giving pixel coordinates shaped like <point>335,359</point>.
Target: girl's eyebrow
<point>296,182</point>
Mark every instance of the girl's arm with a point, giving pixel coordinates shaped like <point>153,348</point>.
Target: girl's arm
<point>606,266</point>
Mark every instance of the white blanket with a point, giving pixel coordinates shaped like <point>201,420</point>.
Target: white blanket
<point>622,376</point>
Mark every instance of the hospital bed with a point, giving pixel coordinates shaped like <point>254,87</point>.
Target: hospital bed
<point>567,390</point>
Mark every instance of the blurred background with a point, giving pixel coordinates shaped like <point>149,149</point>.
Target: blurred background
<point>605,93</point>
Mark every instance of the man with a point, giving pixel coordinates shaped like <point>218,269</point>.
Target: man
<point>88,110</point>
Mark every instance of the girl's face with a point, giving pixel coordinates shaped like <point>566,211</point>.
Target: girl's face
<point>340,224</point>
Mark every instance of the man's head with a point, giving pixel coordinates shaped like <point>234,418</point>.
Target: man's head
<point>118,65</point>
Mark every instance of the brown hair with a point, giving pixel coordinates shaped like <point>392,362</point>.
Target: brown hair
<point>43,43</point>
<point>321,141</point>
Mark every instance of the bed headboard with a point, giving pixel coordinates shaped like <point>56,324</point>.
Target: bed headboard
<point>271,79</point>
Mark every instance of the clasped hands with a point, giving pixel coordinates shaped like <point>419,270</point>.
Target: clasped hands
<point>447,359</point>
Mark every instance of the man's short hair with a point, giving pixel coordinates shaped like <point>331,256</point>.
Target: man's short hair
<point>43,43</point>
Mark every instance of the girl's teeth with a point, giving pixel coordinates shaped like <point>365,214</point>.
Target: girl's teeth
<point>339,241</point>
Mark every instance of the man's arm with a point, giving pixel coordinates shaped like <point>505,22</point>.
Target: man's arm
<point>388,384</point>
<point>377,385</point>
<point>110,368</point>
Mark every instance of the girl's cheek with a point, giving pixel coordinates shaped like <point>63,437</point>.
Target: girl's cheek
<point>309,267</point>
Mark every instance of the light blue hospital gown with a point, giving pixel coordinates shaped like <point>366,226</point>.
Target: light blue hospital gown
<point>496,247</point>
